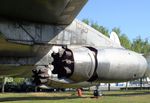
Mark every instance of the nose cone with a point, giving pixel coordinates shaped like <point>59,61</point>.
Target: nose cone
<point>147,74</point>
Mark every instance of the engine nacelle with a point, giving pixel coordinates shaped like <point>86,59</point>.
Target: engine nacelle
<point>120,65</point>
<point>105,65</point>
<point>77,64</point>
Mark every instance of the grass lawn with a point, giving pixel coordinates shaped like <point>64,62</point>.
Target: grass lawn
<point>70,97</point>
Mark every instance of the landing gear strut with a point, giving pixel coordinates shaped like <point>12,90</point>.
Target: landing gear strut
<point>97,93</point>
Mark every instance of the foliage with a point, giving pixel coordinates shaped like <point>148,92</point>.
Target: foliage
<point>19,80</point>
<point>125,42</point>
<point>117,31</point>
<point>137,45</point>
<point>141,46</point>
<point>101,29</point>
<point>86,21</point>
<point>97,27</point>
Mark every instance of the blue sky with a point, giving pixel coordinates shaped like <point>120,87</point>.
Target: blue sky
<point>131,16</point>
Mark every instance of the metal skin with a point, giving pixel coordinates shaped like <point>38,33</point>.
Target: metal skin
<point>58,50</point>
<point>120,65</point>
<point>147,74</point>
<point>43,11</point>
<point>103,65</point>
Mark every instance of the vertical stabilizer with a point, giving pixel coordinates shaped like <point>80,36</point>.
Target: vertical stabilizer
<point>114,37</point>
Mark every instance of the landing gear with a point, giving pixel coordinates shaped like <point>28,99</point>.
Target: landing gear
<point>97,93</point>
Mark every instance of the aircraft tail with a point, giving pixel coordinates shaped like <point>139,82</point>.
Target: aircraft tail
<point>114,37</point>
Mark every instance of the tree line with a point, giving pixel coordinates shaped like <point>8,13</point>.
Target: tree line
<point>138,44</point>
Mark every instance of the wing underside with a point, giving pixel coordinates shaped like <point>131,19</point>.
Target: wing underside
<point>45,11</point>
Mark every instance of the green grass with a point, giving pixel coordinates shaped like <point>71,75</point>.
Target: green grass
<point>70,97</point>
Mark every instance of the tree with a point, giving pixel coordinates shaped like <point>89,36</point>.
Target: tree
<point>101,29</point>
<point>140,45</point>
<point>97,27</point>
<point>137,44</point>
<point>146,47</point>
<point>117,31</point>
<point>86,21</point>
<point>124,40</point>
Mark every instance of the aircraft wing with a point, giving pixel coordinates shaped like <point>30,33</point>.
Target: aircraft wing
<point>45,11</point>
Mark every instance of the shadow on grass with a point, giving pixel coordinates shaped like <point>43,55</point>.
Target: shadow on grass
<point>137,93</point>
<point>6,99</point>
